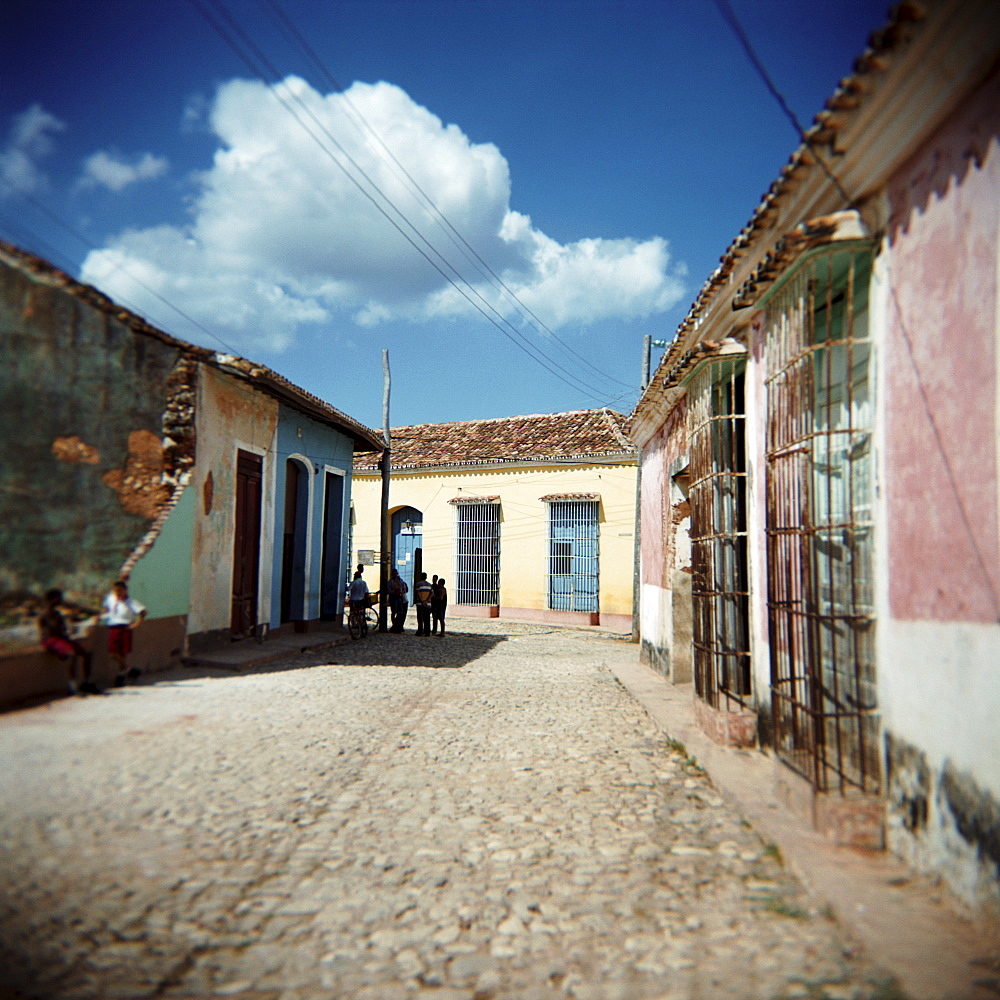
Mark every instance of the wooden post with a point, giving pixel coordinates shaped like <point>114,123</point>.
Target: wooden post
<point>385,542</point>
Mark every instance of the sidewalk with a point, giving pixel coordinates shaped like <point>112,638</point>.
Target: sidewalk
<point>901,920</point>
<point>244,653</point>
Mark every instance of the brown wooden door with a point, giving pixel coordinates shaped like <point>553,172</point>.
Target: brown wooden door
<point>246,551</point>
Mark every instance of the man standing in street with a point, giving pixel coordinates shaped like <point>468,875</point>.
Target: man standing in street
<point>397,600</point>
<point>422,594</point>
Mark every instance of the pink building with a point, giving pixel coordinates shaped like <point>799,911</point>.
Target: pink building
<point>820,512</point>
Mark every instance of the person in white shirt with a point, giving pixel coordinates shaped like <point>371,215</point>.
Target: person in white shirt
<point>359,591</point>
<point>122,614</point>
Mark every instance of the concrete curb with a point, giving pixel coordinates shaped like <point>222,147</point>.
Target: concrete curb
<point>903,922</point>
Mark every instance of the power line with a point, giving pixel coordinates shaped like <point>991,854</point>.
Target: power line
<point>444,223</point>
<point>45,210</point>
<point>729,16</point>
<point>732,21</point>
<point>255,62</point>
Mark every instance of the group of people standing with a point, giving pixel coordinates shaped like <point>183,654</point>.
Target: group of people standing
<point>430,598</point>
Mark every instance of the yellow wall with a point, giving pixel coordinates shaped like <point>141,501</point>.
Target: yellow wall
<point>523,520</point>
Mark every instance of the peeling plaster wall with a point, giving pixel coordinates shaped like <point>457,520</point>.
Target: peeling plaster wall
<point>320,448</point>
<point>86,398</point>
<point>231,416</point>
<point>666,551</point>
<point>935,324</point>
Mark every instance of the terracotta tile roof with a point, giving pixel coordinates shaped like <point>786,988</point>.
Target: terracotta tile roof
<point>468,498</point>
<point>261,376</point>
<point>578,434</point>
<point>555,497</point>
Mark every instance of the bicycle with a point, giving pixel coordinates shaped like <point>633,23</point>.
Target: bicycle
<point>360,620</point>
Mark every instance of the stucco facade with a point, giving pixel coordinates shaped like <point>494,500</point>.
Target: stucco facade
<point>527,517</point>
<point>132,459</point>
<point>523,570</point>
<point>845,356</point>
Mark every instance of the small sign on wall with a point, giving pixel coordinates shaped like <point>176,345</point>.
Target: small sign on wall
<point>366,557</point>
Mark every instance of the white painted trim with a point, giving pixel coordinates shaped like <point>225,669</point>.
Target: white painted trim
<point>879,324</point>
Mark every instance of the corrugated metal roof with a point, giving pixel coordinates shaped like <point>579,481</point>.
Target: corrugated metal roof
<point>578,434</point>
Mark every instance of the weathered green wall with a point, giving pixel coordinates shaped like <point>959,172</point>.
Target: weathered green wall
<point>77,388</point>
<point>162,577</point>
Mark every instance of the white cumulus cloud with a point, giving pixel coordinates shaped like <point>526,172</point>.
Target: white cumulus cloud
<point>116,174</point>
<point>303,216</point>
<point>29,141</point>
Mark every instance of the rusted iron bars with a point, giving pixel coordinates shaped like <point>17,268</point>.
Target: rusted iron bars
<point>720,578</point>
<point>819,523</point>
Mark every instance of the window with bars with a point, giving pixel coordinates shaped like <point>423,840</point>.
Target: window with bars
<point>819,521</point>
<point>720,587</point>
<point>574,580</point>
<point>477,554</point>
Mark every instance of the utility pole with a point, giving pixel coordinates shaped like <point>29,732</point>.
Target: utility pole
<point>647,345</point>
<point>385,543</point>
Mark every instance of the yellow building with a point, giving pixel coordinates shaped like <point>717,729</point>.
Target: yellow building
<point>525,517</point>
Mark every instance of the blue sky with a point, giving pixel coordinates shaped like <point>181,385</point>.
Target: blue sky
<point>596,158</point>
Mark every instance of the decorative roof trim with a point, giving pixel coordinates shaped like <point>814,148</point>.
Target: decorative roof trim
<point>895,97</point>
<point>472,499</point>
<point>828,230</point>
<point>590,458</point>
<point>560,497</point>
<point>704,353</point>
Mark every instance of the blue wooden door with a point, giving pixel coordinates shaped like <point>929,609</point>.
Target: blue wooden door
<point>407,543</point>
<point>574,579</point>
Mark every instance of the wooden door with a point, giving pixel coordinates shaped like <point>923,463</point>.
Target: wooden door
<point>246,550</point>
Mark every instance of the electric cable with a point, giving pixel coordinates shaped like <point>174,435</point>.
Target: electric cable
<point>456,237</point>
<point>729,16</point>
<point>45,210</point>
<point>731,19</point>
<point>255,67</point>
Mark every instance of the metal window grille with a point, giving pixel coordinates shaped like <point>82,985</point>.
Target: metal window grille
<point>477,563</point>
<point>819,523</point>
<point>720,588</point>
<point>574,578</point>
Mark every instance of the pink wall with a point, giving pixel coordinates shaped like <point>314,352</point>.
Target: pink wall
<point>941,364</point>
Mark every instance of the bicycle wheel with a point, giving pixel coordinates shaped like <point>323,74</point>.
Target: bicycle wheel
<point>371,618</point>
<point>355,624</point>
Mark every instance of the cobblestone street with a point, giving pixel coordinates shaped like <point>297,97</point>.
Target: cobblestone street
<point>487,815</point>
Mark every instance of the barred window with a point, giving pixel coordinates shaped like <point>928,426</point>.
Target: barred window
<point>819,523</point>
<point>477,554</point>
<point>720,586</point>
<point>573,583</point>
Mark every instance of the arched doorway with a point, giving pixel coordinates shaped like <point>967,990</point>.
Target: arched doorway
<point>293,553</point>
<point>407,543</point>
